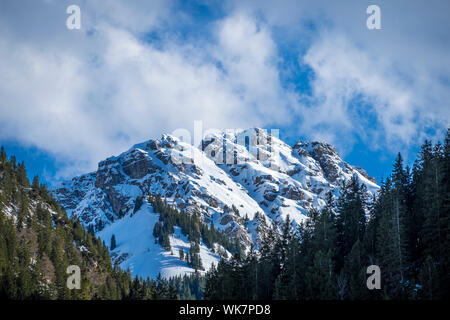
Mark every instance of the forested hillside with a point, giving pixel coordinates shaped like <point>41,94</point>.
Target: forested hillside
<point>405,231</point>
<point>38,242</point>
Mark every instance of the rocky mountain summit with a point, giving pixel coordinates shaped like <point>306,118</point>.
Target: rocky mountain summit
<point>239,180</point>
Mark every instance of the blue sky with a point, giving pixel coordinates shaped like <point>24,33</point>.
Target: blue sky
<point>138,69</point>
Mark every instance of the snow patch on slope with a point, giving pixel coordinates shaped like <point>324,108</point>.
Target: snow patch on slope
<point>141,255</point>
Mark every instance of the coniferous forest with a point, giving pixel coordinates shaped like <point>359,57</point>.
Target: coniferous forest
<point>404,231</point>
<point>38,242</point>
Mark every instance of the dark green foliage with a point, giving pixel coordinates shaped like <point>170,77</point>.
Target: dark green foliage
<point>194,256</point>
<point>429,279</point>
<point>159,289</point>
<point>37,248</point>
<point>350,220</point>
<point>188,287</point>
<point>191,226</point>
<point>113,242</point>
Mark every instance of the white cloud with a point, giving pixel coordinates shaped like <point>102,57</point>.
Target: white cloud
<point>344,73</point>
<point>249,55</point>
<point>86,95</point>
<point>400,74</point>
<point>109,90</point>
<point>360,94</point>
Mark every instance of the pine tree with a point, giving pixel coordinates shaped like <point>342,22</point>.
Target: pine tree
<point>355,268</point>
<point>287,249</point>
<point>113,242</point>
<point>181,253</point>
<point>320,277</point>
<point>2,155</point>
<point>195,259</point>
<point>429,279</point>
<point>445,219</point>
<point>22,178</point>
<point>351,219</point>
<point>35,185</point>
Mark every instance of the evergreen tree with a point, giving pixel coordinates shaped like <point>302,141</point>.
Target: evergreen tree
<point>351,219</point>
<point>320,278</point>
<point>429,279</point>
<point>113,242</point>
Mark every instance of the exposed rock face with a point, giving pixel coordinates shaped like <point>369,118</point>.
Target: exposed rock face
<point>250,170</point>
<point>364,174</point>
<point>269,195</point>
<point>138,165</point>
<point>283,180</point>
<point>294,193</point>
<point>329,160</point>
<point>325,155</point>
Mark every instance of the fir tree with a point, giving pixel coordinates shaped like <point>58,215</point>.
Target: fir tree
<point>113,242</point>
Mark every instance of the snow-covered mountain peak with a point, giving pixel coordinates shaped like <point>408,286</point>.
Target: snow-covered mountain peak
<point>234,179</point>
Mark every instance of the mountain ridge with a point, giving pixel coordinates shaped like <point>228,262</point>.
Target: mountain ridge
<point>240,181</point>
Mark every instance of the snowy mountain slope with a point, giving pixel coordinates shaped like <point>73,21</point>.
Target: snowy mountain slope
<point>137,251</point>
<point>152,168</point>
<point>283,180</point>
<point>240,180</point>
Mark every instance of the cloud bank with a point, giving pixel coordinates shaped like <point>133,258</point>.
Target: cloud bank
<point>131,73</point>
